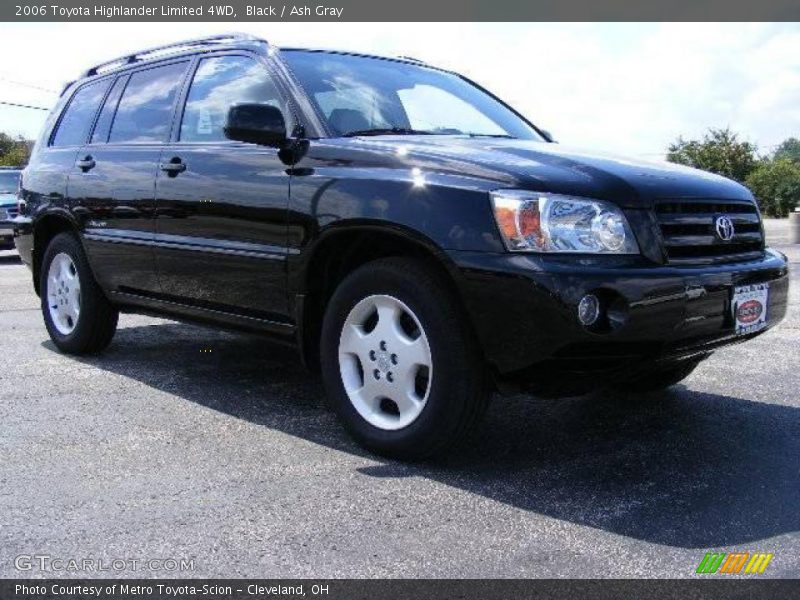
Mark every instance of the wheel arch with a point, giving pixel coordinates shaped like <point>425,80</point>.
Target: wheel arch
<point>45,228</point>
<point>341,249</point>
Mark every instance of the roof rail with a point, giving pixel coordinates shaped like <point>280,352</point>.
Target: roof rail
<point>169,48</point>
<point>412,59</point>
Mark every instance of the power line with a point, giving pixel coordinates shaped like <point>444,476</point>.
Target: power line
<point>29,85</point>
<point>23,105</point>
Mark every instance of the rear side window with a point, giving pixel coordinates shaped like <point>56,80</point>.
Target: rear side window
<point>145,109</point>
<point>218,83</point>
<point>103,126</point>
<point>74,125</point>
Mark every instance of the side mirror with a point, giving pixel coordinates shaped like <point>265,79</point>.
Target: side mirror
<point>548,136</point>
<point>261,124</point>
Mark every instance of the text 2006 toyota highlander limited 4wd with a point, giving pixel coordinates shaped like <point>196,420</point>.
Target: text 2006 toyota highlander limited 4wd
<point>417,239</point>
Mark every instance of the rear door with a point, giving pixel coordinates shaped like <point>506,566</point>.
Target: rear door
<point>46,179</point>
<point>112,185</point>
<point>221,226</point>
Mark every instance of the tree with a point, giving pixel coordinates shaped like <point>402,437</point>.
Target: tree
<point>13,152</point>
<point>789,149</point>
<point>776,185</point>
<point>720,151</point>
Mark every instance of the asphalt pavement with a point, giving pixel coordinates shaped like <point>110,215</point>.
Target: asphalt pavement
<point>185,443</point>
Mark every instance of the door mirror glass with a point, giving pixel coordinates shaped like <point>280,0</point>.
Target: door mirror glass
<point>256,124</point>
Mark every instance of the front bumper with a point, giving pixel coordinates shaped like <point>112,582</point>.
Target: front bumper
<point>524,308</point>
<point>6,235</point>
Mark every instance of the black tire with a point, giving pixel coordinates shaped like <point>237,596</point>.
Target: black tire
<point>458,394</point>
<point>660,379</point>
<point>97,318</point>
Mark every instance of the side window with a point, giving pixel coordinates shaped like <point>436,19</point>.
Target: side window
<point>103,126</point>
<point>74,125</point>
<point>219,82</point>
<point>145,109</point>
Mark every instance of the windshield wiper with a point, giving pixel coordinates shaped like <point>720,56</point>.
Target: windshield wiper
<point>387,131</point>
<point>491,135</point>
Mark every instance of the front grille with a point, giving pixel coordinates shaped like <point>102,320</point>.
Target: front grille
<point>688,229</point>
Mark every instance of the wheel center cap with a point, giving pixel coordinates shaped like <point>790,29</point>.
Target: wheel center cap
<point>383,361</point>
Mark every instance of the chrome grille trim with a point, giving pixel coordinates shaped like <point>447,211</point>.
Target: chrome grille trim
<point>688,230</point>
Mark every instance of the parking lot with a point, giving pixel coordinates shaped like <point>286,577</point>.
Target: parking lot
<point>187,443</point>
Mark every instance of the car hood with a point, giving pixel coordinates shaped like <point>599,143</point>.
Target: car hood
<point>550,167</point>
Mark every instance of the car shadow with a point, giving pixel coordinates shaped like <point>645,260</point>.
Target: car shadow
<point>681,468</point>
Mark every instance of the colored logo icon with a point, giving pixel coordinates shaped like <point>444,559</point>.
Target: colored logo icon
<point>734,563</point>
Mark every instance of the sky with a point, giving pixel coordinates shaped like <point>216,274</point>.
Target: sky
<point>626,88</point>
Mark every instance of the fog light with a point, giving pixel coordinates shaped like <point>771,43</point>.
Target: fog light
<point>588,309</point>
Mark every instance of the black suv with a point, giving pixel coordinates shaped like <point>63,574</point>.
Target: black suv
<point>418,240</point>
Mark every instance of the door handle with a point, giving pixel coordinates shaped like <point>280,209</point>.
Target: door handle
<point>86,163</point>
<point>173,167</point>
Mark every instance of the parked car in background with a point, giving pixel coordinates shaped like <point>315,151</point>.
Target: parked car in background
<point>9,182</point>
<point>418,240</point>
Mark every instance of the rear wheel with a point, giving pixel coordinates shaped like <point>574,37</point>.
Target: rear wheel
<point>398,361</point>
<point>76,313</point>
<point>659,379</point>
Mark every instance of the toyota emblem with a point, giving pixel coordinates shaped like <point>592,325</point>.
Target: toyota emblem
<point>724,227</point>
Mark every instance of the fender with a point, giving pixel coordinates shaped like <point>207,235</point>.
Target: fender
<point>395,233</point>
<point>32,234</point>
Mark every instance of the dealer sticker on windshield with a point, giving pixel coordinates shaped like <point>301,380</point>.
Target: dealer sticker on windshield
<point>749,307</point>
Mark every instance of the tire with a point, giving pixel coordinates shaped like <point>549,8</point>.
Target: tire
<point>78,316</point>
<point>659,379</point>
<point>414,318</point>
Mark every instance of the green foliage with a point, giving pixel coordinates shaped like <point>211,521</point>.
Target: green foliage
<point>720,151</point>
<point>13,152</point>
<point>790,150</point>
<point>775,182</point>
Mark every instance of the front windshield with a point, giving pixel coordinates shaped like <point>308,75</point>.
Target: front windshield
<point>8,181</point>
<point>373,96</point>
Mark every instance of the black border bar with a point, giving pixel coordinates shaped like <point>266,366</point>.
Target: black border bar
<point>406,11</point>
<point>716,588</point>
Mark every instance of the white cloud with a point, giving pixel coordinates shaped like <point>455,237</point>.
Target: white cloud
<point>627,88</point>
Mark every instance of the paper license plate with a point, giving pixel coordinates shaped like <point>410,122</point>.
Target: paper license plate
<point>749,307</point>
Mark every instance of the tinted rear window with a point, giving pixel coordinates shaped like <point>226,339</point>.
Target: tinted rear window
<point>145,110</point>
<point>74,125</point>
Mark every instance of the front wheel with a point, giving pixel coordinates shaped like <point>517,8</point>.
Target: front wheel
<point>77,315</point>
<point>399,363</point>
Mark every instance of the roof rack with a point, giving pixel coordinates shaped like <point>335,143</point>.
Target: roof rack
<point>412,59</point>
<point>170,48</point>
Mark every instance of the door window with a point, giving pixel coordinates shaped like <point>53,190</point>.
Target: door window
<point>74,125</point>
<point>145,109</point>
<point>103,125</point>
<point>218,83</point>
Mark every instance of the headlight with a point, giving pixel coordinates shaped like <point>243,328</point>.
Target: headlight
<point>535,222</point>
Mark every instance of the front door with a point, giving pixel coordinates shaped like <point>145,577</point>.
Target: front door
<point>221,205</point>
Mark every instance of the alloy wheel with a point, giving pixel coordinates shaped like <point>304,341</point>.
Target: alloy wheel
<point>63,293</point>
<point>385,362</point>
